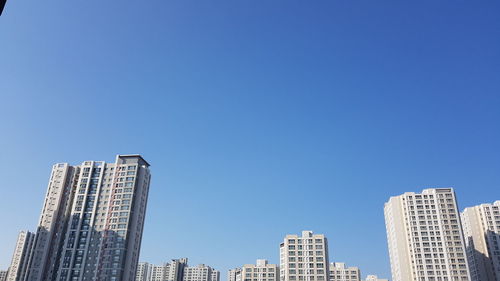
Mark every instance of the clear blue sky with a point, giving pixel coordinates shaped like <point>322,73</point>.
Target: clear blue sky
<point>259,117</point>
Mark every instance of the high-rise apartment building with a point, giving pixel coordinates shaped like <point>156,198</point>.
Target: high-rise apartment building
<point>340,272</point>
<point>92,222</point>
<point>143,272</point>
<point>215,275</point>
<point>3,275</point>
<point>374,278</point>
<point>158,272</point>
<point>19,263</point>
<point>234,274</point>
<point>482,237</point>
<point>425,237</point>
<point>200,272</point>
<point>176,270</point>
<point>44,258</point>
<point>261,271</point>
<point>304,258</point>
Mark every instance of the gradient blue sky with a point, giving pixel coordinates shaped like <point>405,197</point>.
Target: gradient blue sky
<point>260,118</point>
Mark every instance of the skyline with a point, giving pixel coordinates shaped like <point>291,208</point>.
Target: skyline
<point>363,274</point>
<point>251,113</point>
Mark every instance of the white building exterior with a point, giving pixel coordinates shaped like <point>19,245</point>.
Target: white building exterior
<point>482,237</point>
<point>215,275</point>
<point>340,272</point>
<point>425,237</point>
<point>200,272</point>
<point>176,270</point>
<point>43,260</point>
<point>19,263</point>
<point>261,271</point>
<point>234,274</point>
<point>374,278</point>
<point>92,221</point>
<point>143,272</point>
<point>304,258</point>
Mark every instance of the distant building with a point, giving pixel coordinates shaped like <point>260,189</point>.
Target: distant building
<point>304,258</point>
<point>234,274</point>
<point>19,262</point>
<point>158,272</point>
<point>340,272</point>
<point>200,272</point>
<point>171,271</point>
<point>143,272</point>
<point>425,237</point>
<point>215,275</point>
<point>176,270</point>
<point>374,278</point>
<point>261,271</point>
<point>482,238</point>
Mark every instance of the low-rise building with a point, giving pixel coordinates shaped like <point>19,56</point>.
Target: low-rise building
<point>340,272</point>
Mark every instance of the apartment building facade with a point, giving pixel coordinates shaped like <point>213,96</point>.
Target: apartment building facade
<point>200,272</point>
<point>262,270</point>
<point>340,272</point>
<point>482,238</point>
<point>425,237</point>
<point>234,274</point>
<point>20,258</point>
<point>92,221</point>
<point>304,258</point>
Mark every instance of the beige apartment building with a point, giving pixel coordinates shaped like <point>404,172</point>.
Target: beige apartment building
<point>304,258</point>
<point>143,272</point>
<point>176,270</point>
<point>340,272</point>
<point>19,263</point>
<point>425,237</point>
<point>215,275</point>
<point>234,274</point>
<point>200,272</point>
<point>482,237</point>
<point>92,221</point>
<point>261,271</point>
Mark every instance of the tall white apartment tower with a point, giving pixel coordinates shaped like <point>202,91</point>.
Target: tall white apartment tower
<point>92,222</point>
<point>304,258</point>
<point>20,258</point>
<point>482,237</point>
<point>425,237</point>
<point>43,259</point>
